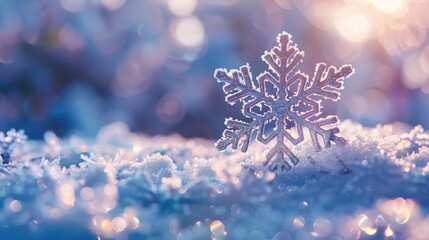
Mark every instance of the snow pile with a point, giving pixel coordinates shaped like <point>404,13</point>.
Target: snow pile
<point>129,186</point>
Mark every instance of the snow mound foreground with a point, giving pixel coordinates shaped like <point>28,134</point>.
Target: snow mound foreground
<point>129,186</point>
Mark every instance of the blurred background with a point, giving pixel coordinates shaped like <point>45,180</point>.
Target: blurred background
<point>72,66</point>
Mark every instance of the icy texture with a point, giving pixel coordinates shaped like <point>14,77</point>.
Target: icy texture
<point>8,143</point>
<point>291,100</point>
<point>130,186</point>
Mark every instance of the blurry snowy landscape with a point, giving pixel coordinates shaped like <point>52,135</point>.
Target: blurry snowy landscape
<point>130,186</point>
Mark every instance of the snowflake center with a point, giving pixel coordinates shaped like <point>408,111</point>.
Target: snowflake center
<point>280,108</point>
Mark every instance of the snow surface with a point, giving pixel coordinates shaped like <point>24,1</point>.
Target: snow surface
<point>124,185</point>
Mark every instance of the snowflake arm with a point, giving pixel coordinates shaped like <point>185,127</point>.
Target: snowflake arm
<point>238,85</point>
<point>282,59</point>
<point>294,104</point>
<point>237,133</point>
<point>326,83</point>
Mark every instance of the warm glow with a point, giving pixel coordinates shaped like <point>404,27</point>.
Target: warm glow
<point>65,193</point>
<point>388,232</point>
<point>217,228</point>
<point>366,225</point>
<point>357,4</point>
<point>87,193</point>
<point>402,215</point>
<point>119,224</point>
<point>106,226</point>
<point>182,7</point>
<point>353,25</point>
<point>299,222</point>
<point>388,6</point>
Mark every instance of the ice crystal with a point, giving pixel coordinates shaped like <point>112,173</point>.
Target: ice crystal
<point>281,105</point>
<point>9,142</point>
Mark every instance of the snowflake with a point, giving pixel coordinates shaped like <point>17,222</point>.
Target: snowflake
<point>280,106</point>
<point>9,142</point>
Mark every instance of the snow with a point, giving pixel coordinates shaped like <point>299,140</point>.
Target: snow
<point>280,107</point>
<point>126,185</point>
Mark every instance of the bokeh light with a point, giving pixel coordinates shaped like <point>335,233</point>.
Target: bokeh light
<point>188,31</point>
<point>182,7</point>
<point>73,66</point>
<point>347,18</point>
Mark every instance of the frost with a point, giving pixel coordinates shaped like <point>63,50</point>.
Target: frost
<point>280,106</point>
<point>142,187</point>
<point>160,168</point>
<point>9,142</point>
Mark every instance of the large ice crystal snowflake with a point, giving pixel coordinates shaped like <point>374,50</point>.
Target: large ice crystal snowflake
<point>281,105</point>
